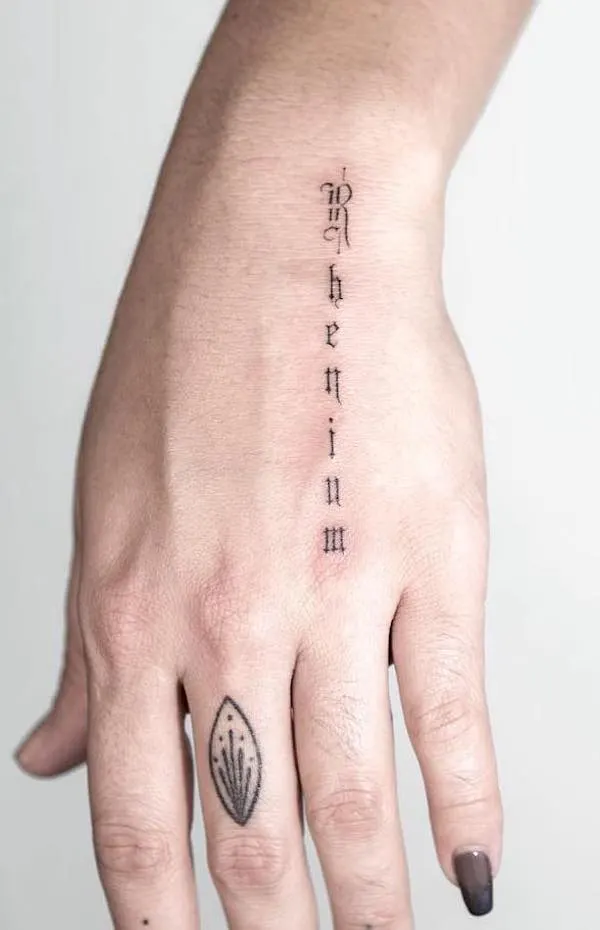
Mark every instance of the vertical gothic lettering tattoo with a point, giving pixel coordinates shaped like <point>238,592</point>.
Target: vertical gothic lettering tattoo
<point>235,761</point>
<point>337,230</point>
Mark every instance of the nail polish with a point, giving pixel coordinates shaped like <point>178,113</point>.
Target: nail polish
<point>474,876</point>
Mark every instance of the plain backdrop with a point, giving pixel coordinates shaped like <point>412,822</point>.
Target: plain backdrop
<point>89,94</point>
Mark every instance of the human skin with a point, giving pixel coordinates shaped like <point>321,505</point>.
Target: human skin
<point>199,568</point>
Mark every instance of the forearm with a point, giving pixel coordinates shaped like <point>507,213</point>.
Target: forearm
<point>421,69</point>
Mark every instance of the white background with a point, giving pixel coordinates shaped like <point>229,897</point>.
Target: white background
<point>89,93</point>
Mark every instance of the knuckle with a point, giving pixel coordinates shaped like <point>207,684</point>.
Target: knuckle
<point>376,903</point>
<point>447,569</point>
<point>343,729</point>
<point>452,474</point>
<point>470,803</point>
<point>133,851</point>
<point>236,617</point>
<point>117,621</point>
<point>222,614</point>
<point>241,636</point>
<point>256,861</point>
<point>445,720</point>
<point>350,812</point>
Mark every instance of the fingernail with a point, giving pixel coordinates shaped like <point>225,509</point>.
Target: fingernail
<point>474,876</point>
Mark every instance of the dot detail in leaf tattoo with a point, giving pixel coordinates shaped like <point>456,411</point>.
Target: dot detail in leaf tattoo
<point>235,761</point>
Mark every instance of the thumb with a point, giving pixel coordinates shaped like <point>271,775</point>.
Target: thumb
<point>58,742</point>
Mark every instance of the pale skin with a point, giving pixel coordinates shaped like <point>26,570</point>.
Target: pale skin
<point>199,569</point>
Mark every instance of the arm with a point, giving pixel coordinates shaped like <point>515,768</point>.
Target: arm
<point>432,64</point>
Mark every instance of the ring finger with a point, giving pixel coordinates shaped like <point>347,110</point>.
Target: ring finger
<point>346,760</point>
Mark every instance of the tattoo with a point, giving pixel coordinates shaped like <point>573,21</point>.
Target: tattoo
<point>334,539</point>
<point>332,382</point>
<point>331,440</point>
<point>338,197</point>
<point>235,761</point>
<point>335,287</point>
<point>333,491</point>
<point>331,329</point>
<point>337,230</point>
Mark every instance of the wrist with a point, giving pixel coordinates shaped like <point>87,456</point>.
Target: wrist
<point>281,135</point>
<point>314,77</point>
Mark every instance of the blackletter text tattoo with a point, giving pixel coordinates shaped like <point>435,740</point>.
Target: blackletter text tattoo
<point>235,761</point>
<point>333,491</point>
<point>338,197</point>
<point>332,382</point>
<point>330,330</point>
<point>331,440</point>
<point>337,230</point>
<point>333,539</point>
<point>335,287</point>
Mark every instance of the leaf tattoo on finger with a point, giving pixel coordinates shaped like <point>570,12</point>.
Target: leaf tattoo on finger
<point>235,761</point>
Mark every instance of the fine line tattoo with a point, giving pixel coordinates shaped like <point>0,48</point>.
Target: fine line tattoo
<point>332,382</point>
<point>335,287</point>
<point>337,230</point>
<point>333,491</point>
<point>330,330</point>
<point>333,539</point>
<point>331,440</point>
<point>235,761</point>
<point>338,197</point>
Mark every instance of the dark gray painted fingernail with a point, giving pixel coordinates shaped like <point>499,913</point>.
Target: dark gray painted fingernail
<point>474,876</point>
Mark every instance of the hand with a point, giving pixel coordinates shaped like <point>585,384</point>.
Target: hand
<point>204,577</point>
